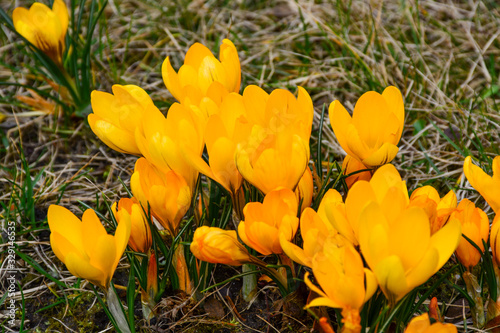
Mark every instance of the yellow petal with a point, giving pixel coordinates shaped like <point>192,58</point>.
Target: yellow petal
<point>83,269</point>
<point>65,223</point>
<point>171,80</point>
<point>391,277</point>
<point>340,121</point>
<point>59,8</point>
<point>92,229</point>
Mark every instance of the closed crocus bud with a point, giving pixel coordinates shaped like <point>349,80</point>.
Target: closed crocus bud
<point>202,75</point>
<point>396,243</point>
<point>305,189</point>
<point>265,222</point>
<point>475,225</point>
<point>352,169</point>
<point>116,116</point>
<point>488,187</point>
<point>438,209</point>
<point>84,246</point>
<point>422,324</point>
<point>140,234</point>
<point>166,193</point>
<point>43,27</point>
<point>219,246</point>
<point>372,133</point>
<point>314,231</point>
<point>344,280</point>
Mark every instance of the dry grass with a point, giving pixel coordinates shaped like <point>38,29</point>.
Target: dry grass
<point>441,54</point>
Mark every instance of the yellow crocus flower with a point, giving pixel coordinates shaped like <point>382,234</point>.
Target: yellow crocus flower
<point>84,246</point>
<point>202,75</point>
<point>346,283</point>
<point>488,187</point>
<point>219,246</point>
<point>372,133</point>
<point>314,231</point>
<point>265,222</point>
<point>396,243</point>
<point>438,209</point>
<point>116,116</point>
<point>166,141</point>
<point>140,233</point>
<point>422,324</point>
<point>43,27</point>
<point>166,193</point>
<point>476,226</point>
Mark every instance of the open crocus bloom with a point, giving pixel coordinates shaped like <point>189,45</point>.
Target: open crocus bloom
<point>476,226</point>
<point>372,133</point>
<point>116,116</point>
<point>346,283</point>
<point>265,222</point>
<point>396,243</point>
<point>219,246</point>
<point>488,187</point>
<point>43,27</point>
<point>314,232</point>
<point>202,75</point>
<point>84,246</point>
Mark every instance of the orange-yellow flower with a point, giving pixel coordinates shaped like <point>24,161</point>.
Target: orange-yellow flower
<point>116,116</point>
<point>396,243</point>
<point>140,234</point>
<point>224,131</point>
<point>166,193</point>
<point>476,226</point>
<point>351,165</point>
<point>43,27</point>
<point>422,324</point>
<point>438,209</point>
<point>488,187</point>
<point>265,222</point>
<point>314,231</point>
<point>84,246</point>
<point>346,283</point>
<point>372,133</point>
<point>165,141</point>
<point>202,75</point>
<point>219,246</point>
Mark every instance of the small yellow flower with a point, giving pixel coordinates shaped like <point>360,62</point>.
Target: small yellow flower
<point>140,234</point>
<point>43,27</point>
<point>488,187</point>
<point>422,324</point>
<point>305,189</point>
<point>219,246</point>
<point>166,193</point>
<point>351,165</point>
<point>372,133</point>
<point>265,222</point>
<point>202,75</point>
<point>117,116</point>
<point>314,231</point>
<point>346,283</point>
<point>166,141</point>
<point>438,209</point>
<point>84,246</point>
<point>476,226</point>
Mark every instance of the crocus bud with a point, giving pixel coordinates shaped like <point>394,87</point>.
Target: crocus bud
<point>140,234</point>
<point>218,246</point>
<point>475,225</point>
